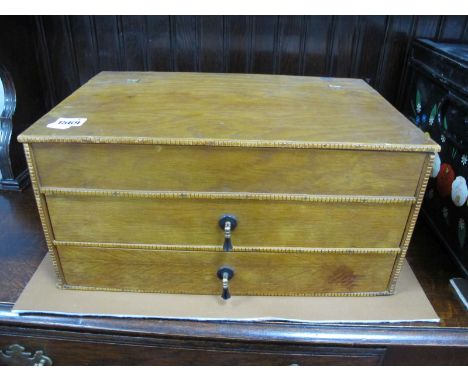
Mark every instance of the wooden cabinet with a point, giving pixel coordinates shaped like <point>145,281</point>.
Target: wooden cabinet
<point>320,200</point>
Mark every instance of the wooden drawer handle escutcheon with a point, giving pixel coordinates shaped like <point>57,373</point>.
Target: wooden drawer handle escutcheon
<point>17,355</point>
<point>227,223</point>
<point>225,274</point>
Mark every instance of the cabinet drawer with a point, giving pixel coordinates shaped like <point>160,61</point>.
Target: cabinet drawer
<point>228,169</point>
<point>194,221</point>
<point>255,273</point>
<point>99,350</point>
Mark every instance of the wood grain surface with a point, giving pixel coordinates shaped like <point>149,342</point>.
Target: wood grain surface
<point>227,169</point>
<point>195,222</point>
<point>104,340</point>
<point>202,108</point>
<point>254,273</point>
<point>302,162</point>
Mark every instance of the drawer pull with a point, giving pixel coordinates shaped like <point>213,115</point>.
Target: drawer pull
<point>227,223</point>
<point>16,355</point>
<point>225,274</point>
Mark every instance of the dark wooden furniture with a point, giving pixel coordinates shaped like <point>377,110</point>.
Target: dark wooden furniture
<point>436,100</point>
<point>106,341</point>
<point>52,56</point>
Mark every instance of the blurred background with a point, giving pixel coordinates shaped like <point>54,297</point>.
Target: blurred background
<point>50,56</point>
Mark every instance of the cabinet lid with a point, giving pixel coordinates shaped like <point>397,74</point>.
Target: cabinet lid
<point>231,110</point>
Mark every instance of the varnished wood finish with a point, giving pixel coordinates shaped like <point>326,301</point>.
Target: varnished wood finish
<point>215,248</point>
<point>77,340</point>
<point>231,110</point>
<point>196,126</point>
<point>182,221</point>
<point>43,213</point>
<point>201,168</point>
<point>59,191</point>
<point>255,273</point>
<point>236,44</point>
<point>423,180</point>
<point>74,351</point>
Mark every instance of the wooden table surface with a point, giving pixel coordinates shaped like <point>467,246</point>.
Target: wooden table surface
<point>22,248</point>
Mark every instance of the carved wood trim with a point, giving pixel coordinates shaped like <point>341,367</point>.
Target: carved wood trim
<point>43,214</point>
<point>421,189</point>
<point>227,195</point>
<point>214,248</point>
<point>431,148</point>
<point>342,294</point>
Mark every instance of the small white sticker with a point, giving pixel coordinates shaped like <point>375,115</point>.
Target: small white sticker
<point>66,123</point>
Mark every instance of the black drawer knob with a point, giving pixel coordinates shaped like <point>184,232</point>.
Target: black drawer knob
<point>227,223</point>
<point>225,274</point>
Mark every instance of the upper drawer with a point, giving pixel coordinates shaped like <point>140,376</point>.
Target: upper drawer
<point>228,169</point>
<point>114,218</point>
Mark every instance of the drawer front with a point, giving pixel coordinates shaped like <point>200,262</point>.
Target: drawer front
<point>228,169</point>
<point>255,273</point>
<point>101,350</point>
<point>261,223</point>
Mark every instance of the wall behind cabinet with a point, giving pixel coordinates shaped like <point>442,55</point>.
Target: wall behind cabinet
<point>74,48</point>
<point>50,56</point>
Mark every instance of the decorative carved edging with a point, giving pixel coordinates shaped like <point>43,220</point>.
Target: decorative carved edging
<point>214,248</point>
<point>334,294</point>
<point>43,214</point>
<point>17,354</point>
<point>429,161</point>
<point>227,195</point>
<point>430,148</point>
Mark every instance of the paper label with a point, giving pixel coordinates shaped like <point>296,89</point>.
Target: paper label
<point>66,123</point>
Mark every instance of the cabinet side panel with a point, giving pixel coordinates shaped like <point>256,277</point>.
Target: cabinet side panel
<point>43,213</point>
<point>413,216</point>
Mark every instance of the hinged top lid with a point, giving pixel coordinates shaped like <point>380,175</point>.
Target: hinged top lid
<point>231,110</point>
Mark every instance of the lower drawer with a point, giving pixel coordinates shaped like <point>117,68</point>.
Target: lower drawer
<point>255,273</point>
